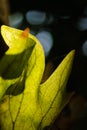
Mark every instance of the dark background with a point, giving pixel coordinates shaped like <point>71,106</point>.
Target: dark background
<point>72,7</point>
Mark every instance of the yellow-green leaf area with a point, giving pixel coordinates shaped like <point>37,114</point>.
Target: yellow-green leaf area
<point>26,104</point>
<point>15,64</point>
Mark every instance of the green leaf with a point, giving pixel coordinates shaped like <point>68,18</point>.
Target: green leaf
<point>14,63</point>
<point>53,94</point>
<point>27,104</point>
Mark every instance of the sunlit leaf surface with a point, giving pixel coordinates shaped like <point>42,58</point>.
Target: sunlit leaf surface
<point>25,103</point>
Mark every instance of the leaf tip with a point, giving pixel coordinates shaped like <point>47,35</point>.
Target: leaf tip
<point>25,33</point>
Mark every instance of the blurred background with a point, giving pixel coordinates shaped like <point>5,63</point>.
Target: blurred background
<point>60,26</point>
